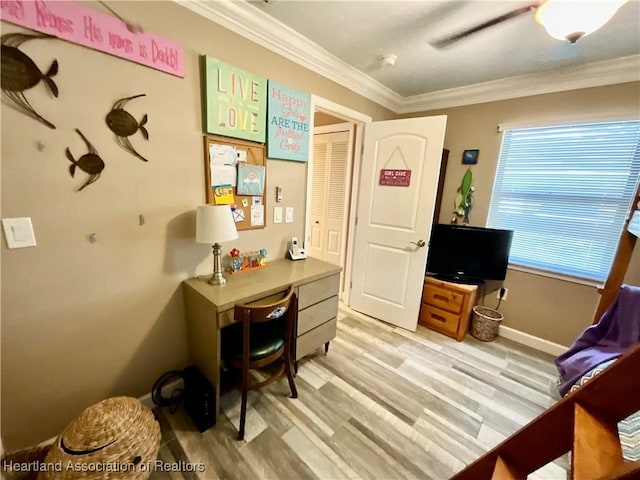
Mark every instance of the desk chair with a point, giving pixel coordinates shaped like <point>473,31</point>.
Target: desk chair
<point>267,336</point>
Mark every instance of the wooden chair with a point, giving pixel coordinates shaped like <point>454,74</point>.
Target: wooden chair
<point>267,336</point>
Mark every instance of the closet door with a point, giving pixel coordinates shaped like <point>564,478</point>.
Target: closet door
<point>318,195</point>
<point>331,152</point>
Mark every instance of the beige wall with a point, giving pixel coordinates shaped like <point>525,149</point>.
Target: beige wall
<point>84,321</point>
<point>552,309</point>
<point>322,119</point>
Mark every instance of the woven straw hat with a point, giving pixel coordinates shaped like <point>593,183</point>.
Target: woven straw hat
<point>115,439</point>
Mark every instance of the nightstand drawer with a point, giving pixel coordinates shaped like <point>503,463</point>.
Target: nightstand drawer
<point>440,320</point>
<point>442,298</point>
<point>317,314</point>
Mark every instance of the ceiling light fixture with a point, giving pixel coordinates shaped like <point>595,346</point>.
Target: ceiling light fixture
<point>571,20</point>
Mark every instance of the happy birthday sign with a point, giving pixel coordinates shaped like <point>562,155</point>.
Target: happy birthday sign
<point>84,26</point>
<point>288,125</point>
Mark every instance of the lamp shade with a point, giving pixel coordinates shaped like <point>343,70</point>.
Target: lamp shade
<point>214,224</point>
<point>572,20</point>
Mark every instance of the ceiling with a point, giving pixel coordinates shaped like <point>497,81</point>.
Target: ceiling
<point>346,40</point>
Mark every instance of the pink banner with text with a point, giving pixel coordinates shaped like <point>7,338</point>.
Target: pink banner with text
<point>90,28</point>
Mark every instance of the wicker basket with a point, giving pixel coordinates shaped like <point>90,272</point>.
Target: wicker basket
<point>115,439</point>
<point>485,323</point>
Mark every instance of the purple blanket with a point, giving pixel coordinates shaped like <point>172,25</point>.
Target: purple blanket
<point>617,330</point>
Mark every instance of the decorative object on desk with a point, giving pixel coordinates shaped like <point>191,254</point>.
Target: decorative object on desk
<point>464,199</point>
<point>215,225</point>
<point>123,125</point>
<point>236,261</point>
<point>470,157</point>
<point>247,261</point>
<point>20,73</point>
<point>90,163</point>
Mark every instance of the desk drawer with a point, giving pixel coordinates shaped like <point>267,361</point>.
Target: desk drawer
<point>315,338</point>
<point>317,314</point>
<point>443,298</point>
<point>313,292</point>
<point>439,320</point>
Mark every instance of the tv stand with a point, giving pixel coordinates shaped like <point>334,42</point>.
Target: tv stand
<point>446,307</point>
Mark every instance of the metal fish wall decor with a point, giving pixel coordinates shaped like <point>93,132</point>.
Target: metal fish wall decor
<point>123,125</point>
<point>20,73</point>
<point>90,163</point>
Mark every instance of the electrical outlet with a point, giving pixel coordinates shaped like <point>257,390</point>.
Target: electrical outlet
<point>504,297</point>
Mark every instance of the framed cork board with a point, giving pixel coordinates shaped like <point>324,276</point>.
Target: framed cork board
<point>235,173</point>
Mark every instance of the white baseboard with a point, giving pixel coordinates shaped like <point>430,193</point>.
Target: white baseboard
<point>538,343</point>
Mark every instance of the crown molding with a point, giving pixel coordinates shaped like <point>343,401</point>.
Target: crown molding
<point>259,27</point>
<point>252,23</point>
<point>596,74</point>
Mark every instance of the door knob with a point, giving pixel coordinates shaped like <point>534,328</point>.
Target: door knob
<point>421,243</point>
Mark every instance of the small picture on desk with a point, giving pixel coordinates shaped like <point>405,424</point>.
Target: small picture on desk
<point>470,157</point>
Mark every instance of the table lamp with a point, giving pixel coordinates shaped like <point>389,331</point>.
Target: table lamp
<point>215,225</point>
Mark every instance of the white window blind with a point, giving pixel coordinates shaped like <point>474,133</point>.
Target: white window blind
<point>565,191</point>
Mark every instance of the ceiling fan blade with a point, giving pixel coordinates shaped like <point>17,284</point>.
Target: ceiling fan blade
<point>445,42</point>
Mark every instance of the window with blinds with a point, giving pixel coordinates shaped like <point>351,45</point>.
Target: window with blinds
<point>565,191</point>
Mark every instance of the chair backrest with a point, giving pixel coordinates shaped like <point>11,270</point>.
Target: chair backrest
<point>282,312</point>
<point>267,312</point>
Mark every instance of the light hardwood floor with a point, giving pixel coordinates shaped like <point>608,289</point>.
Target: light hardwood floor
<point>383,404</point>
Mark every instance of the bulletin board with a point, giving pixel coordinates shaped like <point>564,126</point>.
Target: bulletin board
<point>247,213</point>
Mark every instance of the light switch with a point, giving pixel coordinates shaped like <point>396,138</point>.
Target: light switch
<point>18,232</point>
<point>288,215</point>
<point>277,214</point>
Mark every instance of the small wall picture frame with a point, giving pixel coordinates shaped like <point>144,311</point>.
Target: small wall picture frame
<point>470,157</point>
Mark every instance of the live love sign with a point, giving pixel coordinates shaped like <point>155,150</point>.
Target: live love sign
<point>90,28</point>
<point>395,178</point>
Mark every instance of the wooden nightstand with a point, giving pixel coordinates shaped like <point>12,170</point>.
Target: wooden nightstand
<point>446,307</point>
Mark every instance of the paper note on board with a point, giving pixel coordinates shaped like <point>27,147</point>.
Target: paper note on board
<point>257,215</point>
<point>223,175</point>
<point>223,195</point>
<point>222,154</point>
<point>241,155</point>
<point>238,214</point>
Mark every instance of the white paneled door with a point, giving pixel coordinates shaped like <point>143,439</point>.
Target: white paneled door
<point>394,217</point>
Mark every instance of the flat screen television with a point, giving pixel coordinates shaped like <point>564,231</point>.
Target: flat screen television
<point>466,254</point>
